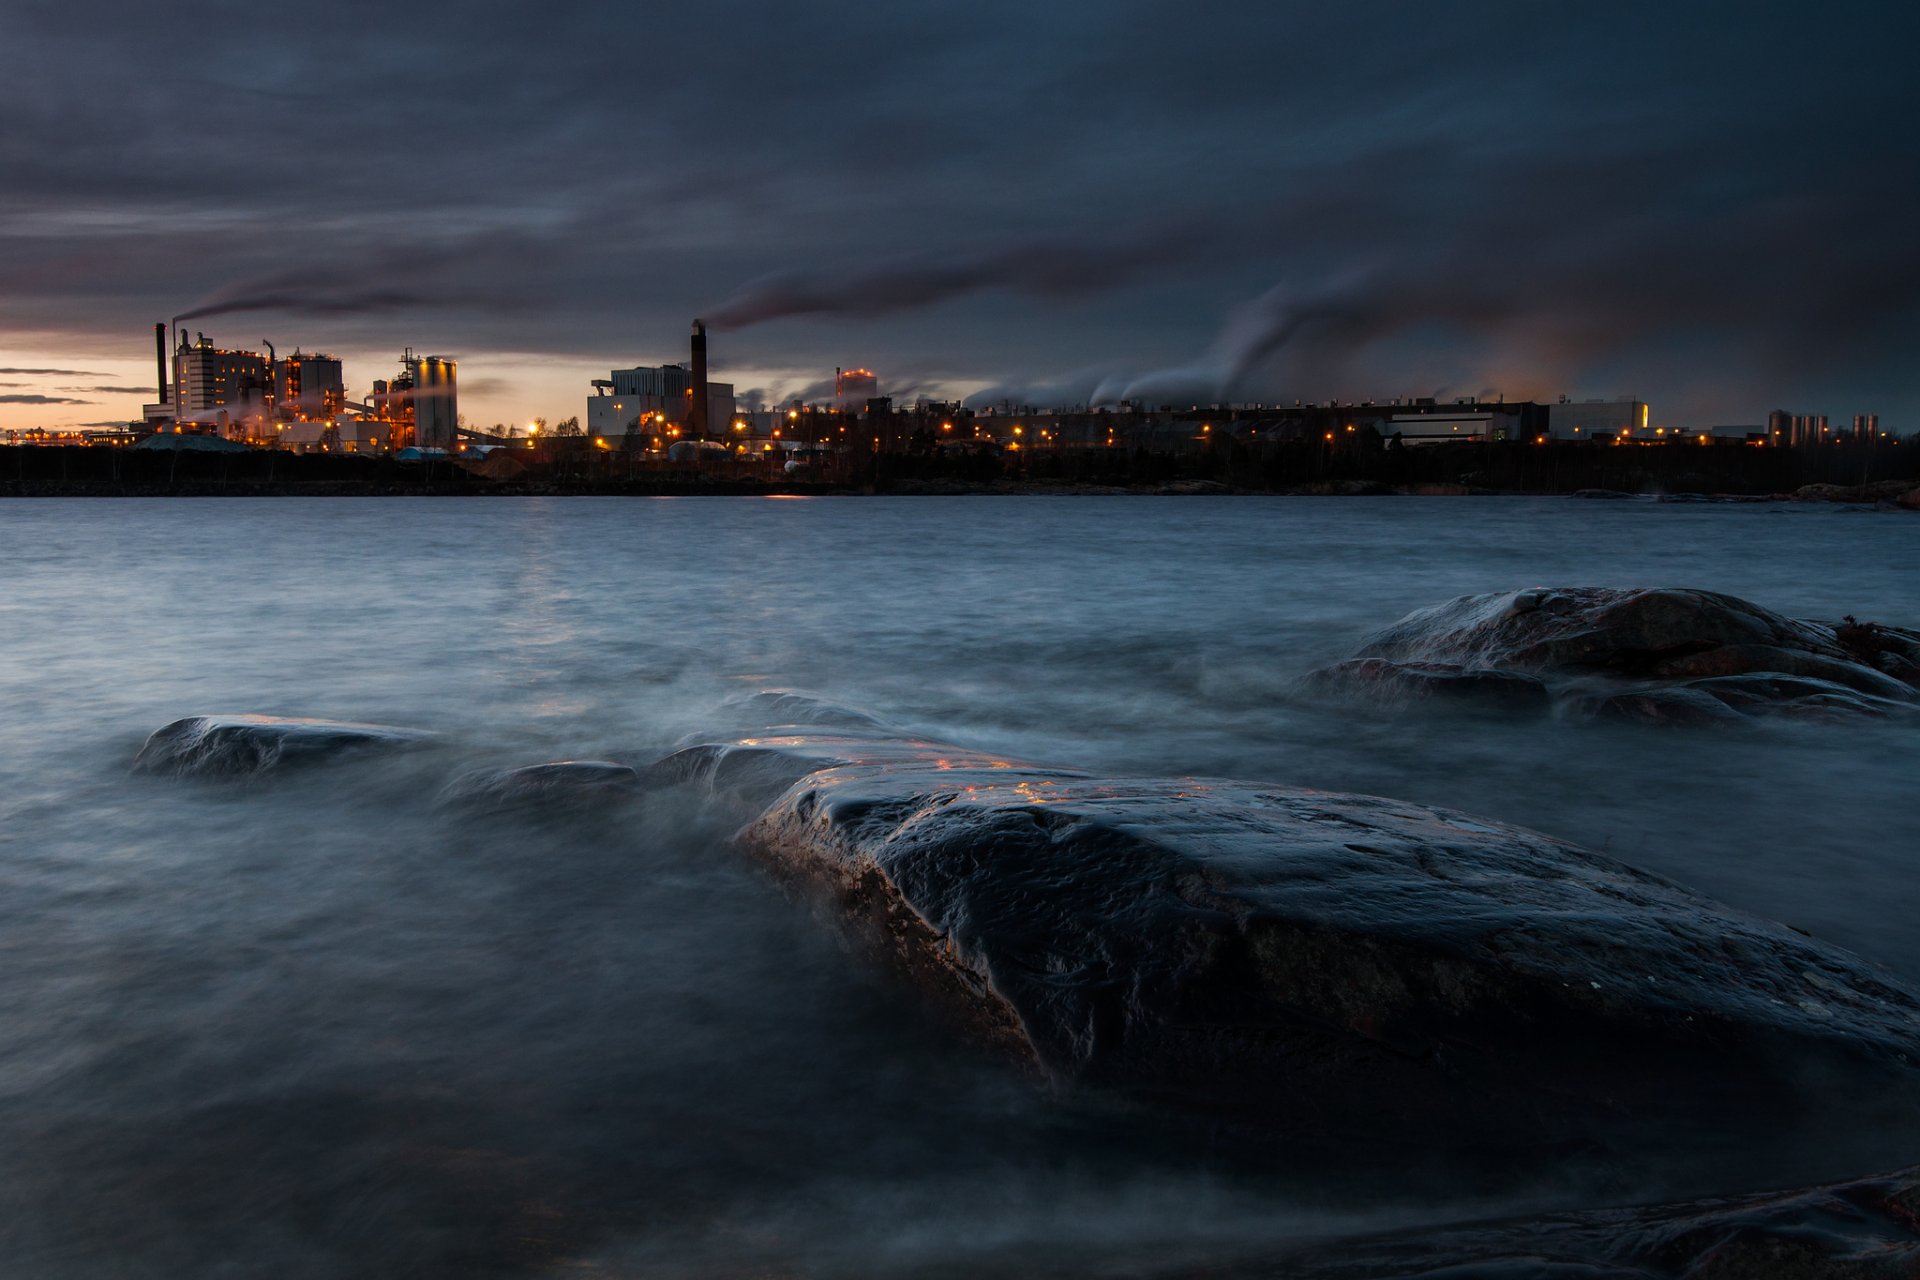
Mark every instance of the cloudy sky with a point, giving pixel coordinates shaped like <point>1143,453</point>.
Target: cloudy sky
<point>1709,206</point>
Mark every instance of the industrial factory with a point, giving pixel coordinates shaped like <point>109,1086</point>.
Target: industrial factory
<point>215,398</point>
<point>298,401</point>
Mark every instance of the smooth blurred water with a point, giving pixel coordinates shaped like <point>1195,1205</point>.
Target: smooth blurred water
<point>317,1027</point>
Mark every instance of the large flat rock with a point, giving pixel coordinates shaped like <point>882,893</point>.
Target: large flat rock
<point>1328,966</point>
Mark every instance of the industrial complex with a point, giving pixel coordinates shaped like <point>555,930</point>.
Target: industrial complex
<point>671,414</point>
<point>297,402</point>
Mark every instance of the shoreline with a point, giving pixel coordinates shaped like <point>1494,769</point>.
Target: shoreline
<point>1892,496</point>
<point>1890,476</point>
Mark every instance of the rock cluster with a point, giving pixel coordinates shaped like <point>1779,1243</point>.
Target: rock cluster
<point>1334,973</point>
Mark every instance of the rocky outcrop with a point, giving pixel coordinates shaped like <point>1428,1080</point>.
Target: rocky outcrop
<point>1665,656</point>
<point>245,745</point>
<point>1331,968</point>
<point>560,782</point>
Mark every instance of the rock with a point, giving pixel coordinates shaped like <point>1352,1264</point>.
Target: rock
<point>1600,493</point>
<point>1589,629</point>
<point>1609,651</point>
<point>559,782</point>
<point>1682,706</point>
<point>1894,651</point>
<point>1400,683</point>
<point>240,746</point>
<point>1910,499</point>
<point>1745,660</point>
<point>1769,691</point>
<point>1331,969</point>
<point>1889,491</point>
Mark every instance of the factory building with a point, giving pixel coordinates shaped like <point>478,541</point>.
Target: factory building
<point>668,395</point>
<point>852,388</point>
<point>436,408</point>
<point>1475,422</point>
<point>307,387</point>
<point>207,378</point>
<point>1808,430</point>
<point>419,407</point>
<point>627,397</point>
<point>1596,419</point>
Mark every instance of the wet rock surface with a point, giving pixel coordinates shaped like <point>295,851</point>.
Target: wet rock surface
<point>1665,656</point>
<point>248,745</point>
<point>561,781</point>
<point>1332,969</point>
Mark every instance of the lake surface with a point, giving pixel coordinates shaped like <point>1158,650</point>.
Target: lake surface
<point>319,1027</point>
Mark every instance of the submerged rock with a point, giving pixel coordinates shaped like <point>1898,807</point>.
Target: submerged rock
<point>784,707</point>
<point>1866,1229</point>
<point>1400,683</point>
<point>1326,967</point>
<point>558,782</point>
<point>1641,653</point>
<point>238,746</point>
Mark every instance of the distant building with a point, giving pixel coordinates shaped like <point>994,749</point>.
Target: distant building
<point>629,398</point>
<point>852,388</point>
<point>308,387</point>
<point>436,406</point>
<point>1481,422</point>
<point>1595,419</point>
<point>1809,429</point>
<point>418,408</point>
<point>208,378</point>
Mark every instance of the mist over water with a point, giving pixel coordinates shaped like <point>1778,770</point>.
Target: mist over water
<point>317,1026</point>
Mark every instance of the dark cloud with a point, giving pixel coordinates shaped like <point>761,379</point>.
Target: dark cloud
<point>37,399</point>
<point>1262,200</point>
<point>113,390</point>
<point>58,373</point>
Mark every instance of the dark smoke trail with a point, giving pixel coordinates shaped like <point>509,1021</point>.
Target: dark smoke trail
<point>335,305</point>
<point>1047,268</point>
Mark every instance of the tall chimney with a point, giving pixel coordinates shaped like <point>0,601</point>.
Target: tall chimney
<point>697,416</point>
<point>160,358</point>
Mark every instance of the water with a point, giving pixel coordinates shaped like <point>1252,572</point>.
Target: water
<point>317,1027</point>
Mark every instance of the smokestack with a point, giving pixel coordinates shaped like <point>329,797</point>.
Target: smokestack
<point>160,358</point>
<point>697,417</point>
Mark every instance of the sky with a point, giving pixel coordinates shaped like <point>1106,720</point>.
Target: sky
<point>1708,206</point>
